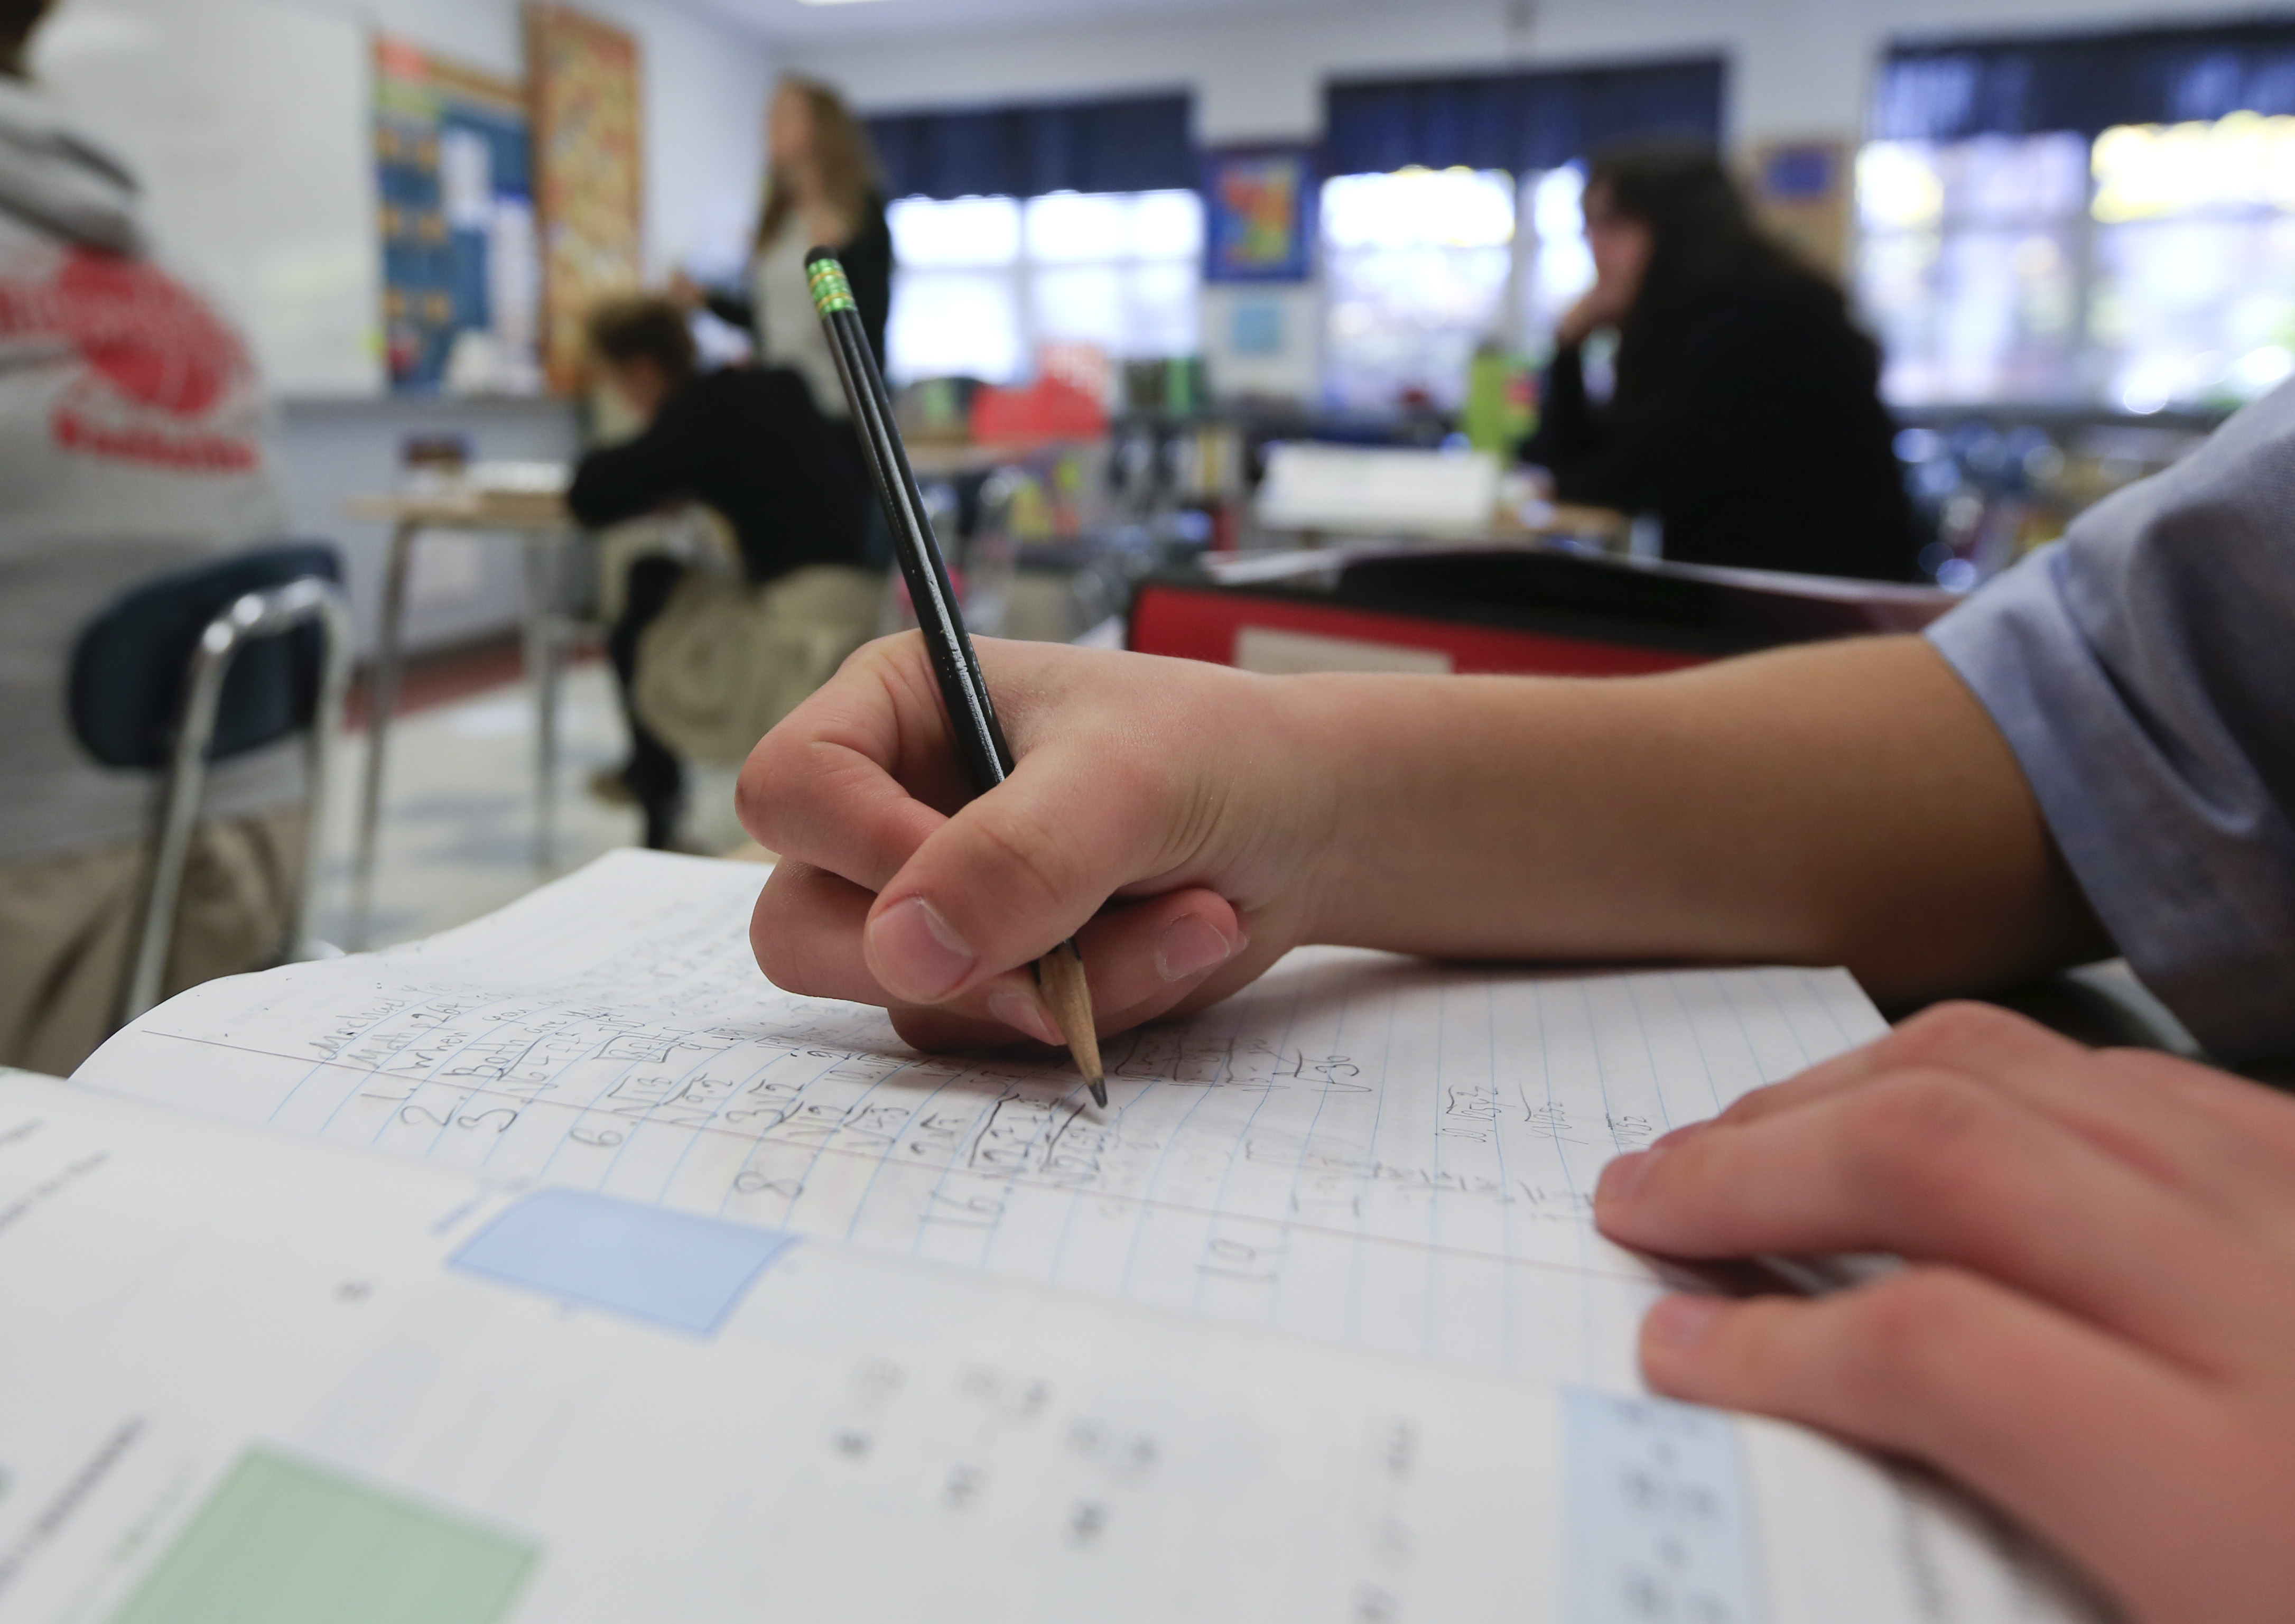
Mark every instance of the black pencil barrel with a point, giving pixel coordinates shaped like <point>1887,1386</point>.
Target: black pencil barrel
<point>972,716</point>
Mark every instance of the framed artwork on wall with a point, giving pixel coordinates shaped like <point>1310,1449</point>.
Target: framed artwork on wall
<point>1259,213</point>
<point>589,176</point>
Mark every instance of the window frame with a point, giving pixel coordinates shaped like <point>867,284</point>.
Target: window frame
<point>1025,269</point>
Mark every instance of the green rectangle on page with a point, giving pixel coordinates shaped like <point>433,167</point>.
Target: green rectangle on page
<point>282,1542</point>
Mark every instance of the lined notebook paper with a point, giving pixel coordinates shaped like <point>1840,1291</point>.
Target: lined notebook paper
<point>1360,1148</point>
<point>256,1377</point>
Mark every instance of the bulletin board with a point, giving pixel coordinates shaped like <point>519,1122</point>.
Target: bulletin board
<point>462,284</point>
<point>589,174</point>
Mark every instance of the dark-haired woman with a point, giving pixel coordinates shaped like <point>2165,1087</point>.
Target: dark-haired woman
<point>1747,414</point>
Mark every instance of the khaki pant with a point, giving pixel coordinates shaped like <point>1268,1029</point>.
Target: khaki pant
<point>65,925</point>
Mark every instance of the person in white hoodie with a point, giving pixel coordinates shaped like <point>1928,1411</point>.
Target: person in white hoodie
<point>130,446</point>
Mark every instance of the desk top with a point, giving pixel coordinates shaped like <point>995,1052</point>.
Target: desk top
<point>479,509</point>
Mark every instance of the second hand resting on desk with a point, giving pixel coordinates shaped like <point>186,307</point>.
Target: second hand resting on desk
<point>987,758</point>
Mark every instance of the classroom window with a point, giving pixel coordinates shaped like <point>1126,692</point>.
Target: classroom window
<point>1415,265</point>
<point>2151,267</point>
<point>1559,267</point>
<point>984,282</point>
<point>1422,267</point>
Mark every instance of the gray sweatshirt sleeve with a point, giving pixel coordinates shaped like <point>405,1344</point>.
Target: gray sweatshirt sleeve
<point>2143,670</point>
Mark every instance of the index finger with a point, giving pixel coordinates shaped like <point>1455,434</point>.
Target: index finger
<point>849,781</point>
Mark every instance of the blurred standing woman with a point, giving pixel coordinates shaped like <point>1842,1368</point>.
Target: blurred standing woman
<point>821,191</point>
<point>1747,414</point>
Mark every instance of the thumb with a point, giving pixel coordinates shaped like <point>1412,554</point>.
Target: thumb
<point>1014,872</point>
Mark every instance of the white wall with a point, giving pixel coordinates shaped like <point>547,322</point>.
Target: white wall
<point>1797,66</point>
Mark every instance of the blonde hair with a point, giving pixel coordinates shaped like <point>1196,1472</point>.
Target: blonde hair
<point>841,152</point>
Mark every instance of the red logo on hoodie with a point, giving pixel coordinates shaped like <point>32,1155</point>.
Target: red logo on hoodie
<point>166,381</point>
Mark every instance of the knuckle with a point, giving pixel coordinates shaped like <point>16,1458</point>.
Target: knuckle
<point>1912,1137</point>
<point>1028,849</point>
<point>777,790</point>
<point>1898,1338</point>
<point>1944,1032</point>
<point>777,921</point>
<point>776,958</point>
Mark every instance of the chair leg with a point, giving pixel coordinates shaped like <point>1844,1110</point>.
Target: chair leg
<point>545,644</point>
<point>319,747</point>
<point>179,812</point>
<point>382,698</point>
<point>253,615</point>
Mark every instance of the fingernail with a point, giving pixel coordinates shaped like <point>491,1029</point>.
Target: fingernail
<point>918,954</point>
<point>1623,1175</point>
<point>1190,946</point>
<point>1679,1136</point>
<point>1018,1010</point>
<point>1682,1322</point>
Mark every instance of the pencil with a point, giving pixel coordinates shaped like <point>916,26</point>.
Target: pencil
<point>972,716</point>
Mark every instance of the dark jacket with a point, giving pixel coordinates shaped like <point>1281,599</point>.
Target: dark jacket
<point>748,441</point>
<point>1760,440</point>
<point>868,261</point>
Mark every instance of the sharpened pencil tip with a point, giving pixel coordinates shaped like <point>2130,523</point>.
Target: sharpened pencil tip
<point>1060,973</point>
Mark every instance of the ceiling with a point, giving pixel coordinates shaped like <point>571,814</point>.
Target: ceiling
<point>794,23</point>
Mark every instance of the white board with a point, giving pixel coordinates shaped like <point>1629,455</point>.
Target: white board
<point>249,122</point>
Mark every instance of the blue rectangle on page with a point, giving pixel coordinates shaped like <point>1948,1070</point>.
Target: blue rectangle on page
<point>1656,1505</point>
<point>674,1268</point>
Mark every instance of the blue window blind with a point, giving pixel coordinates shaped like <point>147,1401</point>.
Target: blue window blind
<point>1132,143</point>
<point>1518,121</point>
<point>1949,90</point>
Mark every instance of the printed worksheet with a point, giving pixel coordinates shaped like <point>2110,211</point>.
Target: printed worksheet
<point>254,1377</point>
<point>1363,1147</point>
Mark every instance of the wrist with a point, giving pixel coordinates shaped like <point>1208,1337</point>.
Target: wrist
<point>1342,780</point>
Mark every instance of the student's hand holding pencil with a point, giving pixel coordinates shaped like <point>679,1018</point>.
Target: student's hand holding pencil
<point>1844,803</point>
<point>892,890</point>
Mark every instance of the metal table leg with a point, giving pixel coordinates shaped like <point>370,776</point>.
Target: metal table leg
<point>382,698</point>
<point>544,651</point>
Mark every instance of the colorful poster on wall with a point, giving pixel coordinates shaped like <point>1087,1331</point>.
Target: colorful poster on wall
<point>590,174</point>
<point>462,286</point>
<point>1259,213</point>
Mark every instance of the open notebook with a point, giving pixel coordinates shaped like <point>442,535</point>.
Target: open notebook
<point>619,1285</point>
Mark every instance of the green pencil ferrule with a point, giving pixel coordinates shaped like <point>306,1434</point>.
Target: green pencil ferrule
<point>830,291</point>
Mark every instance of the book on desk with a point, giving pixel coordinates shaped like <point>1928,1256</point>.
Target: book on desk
<point>559,1267</point>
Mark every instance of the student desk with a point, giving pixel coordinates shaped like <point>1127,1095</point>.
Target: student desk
<point>543,527</point>
<point>1510,604</point>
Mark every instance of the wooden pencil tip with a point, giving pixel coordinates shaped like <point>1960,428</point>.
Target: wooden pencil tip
<point>1060,973</point>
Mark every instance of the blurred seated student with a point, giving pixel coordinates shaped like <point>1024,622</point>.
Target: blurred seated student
<point>130,447</point>
<point>821,191</point>
<point>2096,1326</point>
<point>1746,414</point>
<point>745,441</point>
